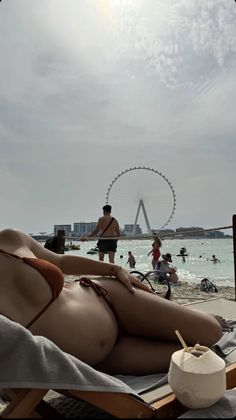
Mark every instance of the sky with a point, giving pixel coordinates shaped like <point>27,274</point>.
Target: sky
<point>91,90</point>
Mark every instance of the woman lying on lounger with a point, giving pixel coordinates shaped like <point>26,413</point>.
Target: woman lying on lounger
<point>113,322</point>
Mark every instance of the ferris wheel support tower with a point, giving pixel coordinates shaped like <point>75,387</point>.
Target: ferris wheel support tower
<point>141,205</point>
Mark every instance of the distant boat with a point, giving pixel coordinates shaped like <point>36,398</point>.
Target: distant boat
<point>75,247</point>
<point>71,247</point>
<point>93,251</point>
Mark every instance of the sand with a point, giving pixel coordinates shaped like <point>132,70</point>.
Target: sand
<point>186,292</point>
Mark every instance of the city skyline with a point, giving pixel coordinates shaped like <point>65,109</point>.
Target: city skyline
<point>78,229</point>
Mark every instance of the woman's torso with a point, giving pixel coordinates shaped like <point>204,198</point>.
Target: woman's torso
<point>156,253</point>
<point>163,267</point>
<point>68,321</point>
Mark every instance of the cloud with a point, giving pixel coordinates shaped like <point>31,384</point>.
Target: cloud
<point>89,90</point>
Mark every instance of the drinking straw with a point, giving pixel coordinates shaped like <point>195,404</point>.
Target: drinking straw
<point>182,340</point>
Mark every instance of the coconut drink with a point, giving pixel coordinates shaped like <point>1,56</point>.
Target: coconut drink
<point>197,376</point>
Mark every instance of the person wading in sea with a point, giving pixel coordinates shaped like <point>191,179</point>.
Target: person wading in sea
<point>155,251</point>
<point>131,260</point>
<point>107,226</point>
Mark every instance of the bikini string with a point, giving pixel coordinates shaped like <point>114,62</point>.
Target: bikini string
<point>39,313</point>
<point>89,283</point>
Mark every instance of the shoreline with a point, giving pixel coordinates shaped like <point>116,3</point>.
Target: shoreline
<point>186,292</point>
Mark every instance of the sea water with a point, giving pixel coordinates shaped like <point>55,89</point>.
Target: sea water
<point>192,270</point>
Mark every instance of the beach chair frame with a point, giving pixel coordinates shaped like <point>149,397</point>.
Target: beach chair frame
<point>29,402</point>
<point>144,277</point>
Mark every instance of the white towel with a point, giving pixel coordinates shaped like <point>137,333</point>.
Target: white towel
<point>227,343</point>
<point>28,361</point>
<point>225,408</point>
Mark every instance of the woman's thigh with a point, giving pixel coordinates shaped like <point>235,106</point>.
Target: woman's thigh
<point>148,315</point>
<point>138,356</point>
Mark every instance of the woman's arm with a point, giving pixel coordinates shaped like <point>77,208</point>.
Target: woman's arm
<point>71,264</point>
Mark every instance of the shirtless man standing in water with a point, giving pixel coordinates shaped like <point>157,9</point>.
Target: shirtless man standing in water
<point>107,226</point>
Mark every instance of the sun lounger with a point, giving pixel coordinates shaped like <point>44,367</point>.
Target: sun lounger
<point>217,306</point>
<point>46,367</point>
<point>28,403</point>
<point>34,365</point>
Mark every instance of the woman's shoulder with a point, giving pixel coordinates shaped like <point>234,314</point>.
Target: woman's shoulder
<point>11,236</point>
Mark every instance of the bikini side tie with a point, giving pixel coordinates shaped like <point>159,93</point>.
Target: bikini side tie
<point>101,291</point>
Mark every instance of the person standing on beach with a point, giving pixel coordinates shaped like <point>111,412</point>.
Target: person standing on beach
<point>155,251</point>
<point>107,226</point>
<point>131,260</point>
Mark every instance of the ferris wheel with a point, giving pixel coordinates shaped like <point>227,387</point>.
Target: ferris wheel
<point>170,195</point>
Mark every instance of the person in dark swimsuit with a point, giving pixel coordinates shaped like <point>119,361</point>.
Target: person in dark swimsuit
<point>111,321</point>
<point>106,227</point>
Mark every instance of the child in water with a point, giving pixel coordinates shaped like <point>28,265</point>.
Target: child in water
<point>214,259</point>
<point>131,260</point>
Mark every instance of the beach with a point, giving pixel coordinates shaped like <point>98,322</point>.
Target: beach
<point>189,292</point>
<point>186,292</point>
<point>190,272</point>
<point>193,270</point>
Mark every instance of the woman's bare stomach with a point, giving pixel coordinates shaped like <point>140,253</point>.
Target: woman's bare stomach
<point>81,323</point>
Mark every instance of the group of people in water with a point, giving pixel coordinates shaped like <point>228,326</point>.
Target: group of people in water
<point>162,263</point>
<point>108,232</point>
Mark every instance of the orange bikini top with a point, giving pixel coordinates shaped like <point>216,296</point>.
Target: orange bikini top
<point>51,273</point>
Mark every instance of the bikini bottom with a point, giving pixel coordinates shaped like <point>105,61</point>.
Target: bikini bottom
<point>101,291</point>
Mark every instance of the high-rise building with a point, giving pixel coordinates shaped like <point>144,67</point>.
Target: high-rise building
<point>84,228</point>
<point>66,228</point>
<point>128,229</point>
